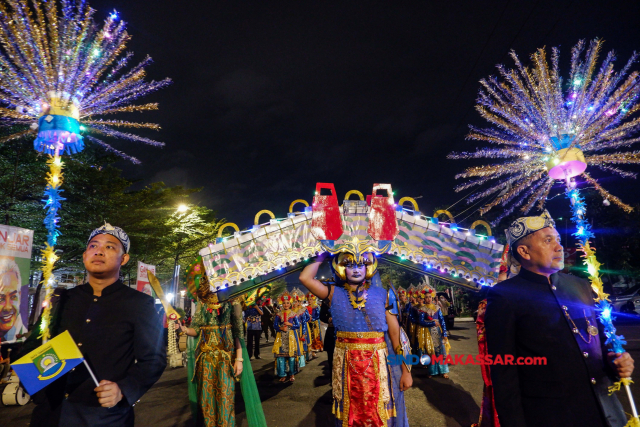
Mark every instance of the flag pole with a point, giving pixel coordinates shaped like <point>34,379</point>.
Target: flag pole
<point>95,380</point>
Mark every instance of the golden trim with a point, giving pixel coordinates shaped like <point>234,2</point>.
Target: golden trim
<point>297,201</point>
<point>228,224</point>
<point>485,224</point>
<point>409,199</point>
<point>264,211</point>
<point>349,193</point>
<point>437,213</point>
<point>345,334</point>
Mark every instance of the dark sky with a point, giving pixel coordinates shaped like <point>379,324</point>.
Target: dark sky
<point>270,97</point>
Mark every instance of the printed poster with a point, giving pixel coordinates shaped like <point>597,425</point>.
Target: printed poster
<point>16,245</point>
<point>142,282</point>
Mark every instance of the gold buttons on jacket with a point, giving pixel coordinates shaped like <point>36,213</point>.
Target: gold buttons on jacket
<point>88,320</point>
<point>593,380</point>
<point>95,300</point>
<point>553,288</point>
<point>79,344</point>
<point>564,307</point>
<point>575,330</point>
<point>585,354</point>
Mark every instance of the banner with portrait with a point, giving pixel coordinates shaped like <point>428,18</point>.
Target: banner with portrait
<point>142,281</point>
<point>16,245</point>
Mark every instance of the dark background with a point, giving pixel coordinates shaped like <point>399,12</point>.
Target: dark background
<point>271,97</point>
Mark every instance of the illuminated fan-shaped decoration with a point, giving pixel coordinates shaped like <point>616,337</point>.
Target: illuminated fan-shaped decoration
<point>60,74</point>
<point>545,128</point>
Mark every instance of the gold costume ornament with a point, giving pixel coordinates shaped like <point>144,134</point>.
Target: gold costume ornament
<point>341,261</point>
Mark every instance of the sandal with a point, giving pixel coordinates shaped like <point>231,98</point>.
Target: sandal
<point>292,378</point>
<point>282,380</point>
<point>446,376</point>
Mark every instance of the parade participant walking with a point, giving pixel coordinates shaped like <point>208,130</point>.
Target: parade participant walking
<point>287,347</point>
<point>329,344</point>
<point>488,413</point>
<point>268,313</point>
<point>219,357</point>
<point>253,317</point>
<point>119,334</point>
<point>431,332</point>
<point>544,313</point>
<point>366,390</point>
<point>303,333</point>
<point>315,335</point>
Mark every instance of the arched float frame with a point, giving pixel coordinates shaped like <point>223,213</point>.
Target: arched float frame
<point>228,224</point>
<point>259,214</point>
<point>304,202</point>
<point>439,212</point>
<point>352,192</point>
<point>485,224</point>
<point>409,199</point>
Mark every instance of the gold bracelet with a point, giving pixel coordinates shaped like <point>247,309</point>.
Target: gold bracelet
<point>239,360</point>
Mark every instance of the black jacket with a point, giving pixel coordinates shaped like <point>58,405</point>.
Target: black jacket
<point>525,318</point>
<point>120,336</point>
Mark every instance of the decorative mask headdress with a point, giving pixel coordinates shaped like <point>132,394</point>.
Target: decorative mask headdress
<point>285,297</point>
<point>342,259</point>
<point>197,283</point>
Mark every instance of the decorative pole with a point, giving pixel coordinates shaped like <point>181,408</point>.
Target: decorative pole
<point>60,73</point>
<point>546,130</point>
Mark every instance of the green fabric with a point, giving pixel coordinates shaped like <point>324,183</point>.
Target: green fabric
<point>252,403</point>
<point>192,385</point>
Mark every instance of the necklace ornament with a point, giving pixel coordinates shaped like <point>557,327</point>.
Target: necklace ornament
<point>592,330</point>
<point>357,302</point>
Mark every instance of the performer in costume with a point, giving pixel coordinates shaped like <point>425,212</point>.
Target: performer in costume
<point>488,413</point>
<point>301,313</point>
<point>314,325</point>
<point>366,390</point>
<point>287,347</point>
<point>544,313</point>
<point>431,331</point>
<point>411,318</point>
<point>218,357</point>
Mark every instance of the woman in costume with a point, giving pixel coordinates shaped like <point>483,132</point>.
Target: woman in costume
<point>314,325</point>
<point>366,390</point>
<point>287,347</point>
<point>431,332</point>
<point>301,313</point>
<point>412,321</point>
<point>216,360</point>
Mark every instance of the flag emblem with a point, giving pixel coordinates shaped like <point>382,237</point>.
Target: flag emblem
<point>48,362</point>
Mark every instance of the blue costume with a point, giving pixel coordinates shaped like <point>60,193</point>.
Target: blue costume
<point>361,351</point>
<point>431,332</point>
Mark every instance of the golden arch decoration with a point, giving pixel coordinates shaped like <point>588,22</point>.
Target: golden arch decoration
<point>485,224</point>
<point>228,224</point>
<point>409,199</point>
<point>294,203</point>
<point>437,213</point>
<point>264,211</point>
<point>346,196</point>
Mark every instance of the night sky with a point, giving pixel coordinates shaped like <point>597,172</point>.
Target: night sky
<point>270,97</point>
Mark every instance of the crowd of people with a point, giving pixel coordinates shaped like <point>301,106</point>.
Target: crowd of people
<point>536,312</point>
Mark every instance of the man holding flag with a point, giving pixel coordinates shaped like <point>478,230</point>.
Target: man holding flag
<point>117,333</point>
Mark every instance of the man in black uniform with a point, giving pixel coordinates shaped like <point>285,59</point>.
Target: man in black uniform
<point>543,313</point>
<point>119,333</point>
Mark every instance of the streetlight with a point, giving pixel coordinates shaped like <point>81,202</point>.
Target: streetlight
<point>182,208</point>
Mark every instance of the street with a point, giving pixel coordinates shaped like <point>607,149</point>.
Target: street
<point>434,402</point>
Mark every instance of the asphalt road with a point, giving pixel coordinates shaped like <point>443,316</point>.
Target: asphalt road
<point>434,402</point>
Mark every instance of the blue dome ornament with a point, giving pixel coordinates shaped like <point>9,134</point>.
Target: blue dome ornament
<point>59,126</point>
